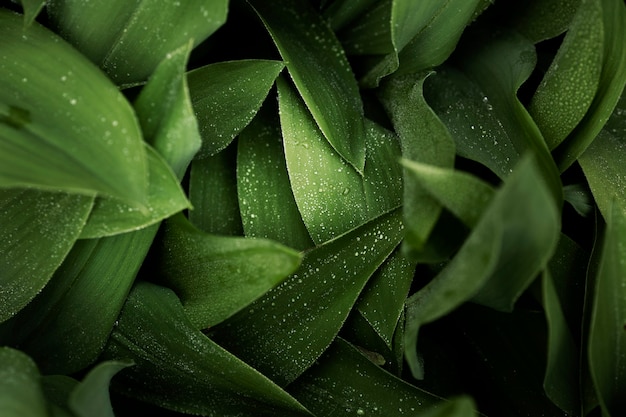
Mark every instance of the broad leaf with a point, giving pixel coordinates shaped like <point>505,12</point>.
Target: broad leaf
<point>20,385</point>
<point>90,398</point>
<point>268,207</point>
<point>539,20</point>
<point>569,85</point>
<point>68,127</point>
<point>284,332</point>
<point>342,12</point>
<point>66,327</point>
<point>178,367</point>
<point>331,195</point>
<point>226,96</point>
<point>110,216</point>
<point>607,334</point>
<point>216,276</point>
<point>344,382</point>
<point>37,230</point>
<point>112,33</point>
<point>165,113</point>
<point>321,73</point>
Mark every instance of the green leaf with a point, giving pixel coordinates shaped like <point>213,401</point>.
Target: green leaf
<point>20,385</point>
<point>341,12</point>
<point>226,96</point>
<point>37,230</point>
<point>331,195</point>
<point>344,382</point>
<point>612,82</point>
<point>66,327</point>
<point>66,128</point>
<point>216,276</point>
<point>284,332</point>
<point>32,8</point>
<point>128,39</point>
<point>425,139</point>
<point>90,398</point>
<point>213,194</point>
<point>321,72</point>
<point>539,20</point>
<point>57,389</point>
<point>570,84</point>
<point>607,334</point>
<point>110,216</point>
<point>179,368</point>
<point>268,207</point>
<point>465,195</point>
<point>165,113</point>
<point>489,268</point>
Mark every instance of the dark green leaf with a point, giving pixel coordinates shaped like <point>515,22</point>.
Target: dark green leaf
<point>20,386</point>
<point>341,12</point>
<point>284,332</point>
<point>539,20</point>
<point>216,276</point>
<point>321,72</point>
<point>37,230</point>
<point>179,368</point>
<point>68,127</point>
<point>607,334</point>
<point>344,382</point>
<point>128,39</point>
<point>165,113</point>
<point>226,96</point>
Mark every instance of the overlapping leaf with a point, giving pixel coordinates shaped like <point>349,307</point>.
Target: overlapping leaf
<point>20,385</point>
<point>128,39</point>
<point>63,124</point>
<point>179,368</point>
<point>321,73</point>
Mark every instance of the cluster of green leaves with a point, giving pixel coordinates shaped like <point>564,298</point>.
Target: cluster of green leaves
<point>255,207</point>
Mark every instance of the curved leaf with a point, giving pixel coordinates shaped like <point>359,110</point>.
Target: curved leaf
<point>66,127</point>
<point>285,331</point>
<point>113,33</point>
<point>20,387</point>
<point>179,368</point>
<point>539,20</point>
<point>37,230</point>
<point>31,9</point>
<point>216,276</point>
<point>226,96</point>
<point>321,73</point>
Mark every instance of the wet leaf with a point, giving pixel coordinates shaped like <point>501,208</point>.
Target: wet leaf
<point>284,332</point>
<point>37,230</point>
<point>176,365</point>
<point>128,39</point>
<point>321,72</point>
<point>20,385</point>
<point>68,127</point>
<point>216,276</point>
<point>226,96</point>
<point>539,20</point>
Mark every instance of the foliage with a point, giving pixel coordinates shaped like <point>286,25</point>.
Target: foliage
<point>312,208</point>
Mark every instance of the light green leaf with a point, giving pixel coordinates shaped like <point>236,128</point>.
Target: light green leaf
<point>110,216</point>
<point>344,382</point>
<point>268,207</point>
<point>179,368</point>
<point>425,139</point>
<point>90,398</point>
<point>113,33</point>
<point>213,194</point>
<point>489,269</point>
<point>612,82</point>
<point>20,385</point>
<point>331,195</point>
<point>607,334</point>
<point>216,276</point>
<point>569,85</point>
<point>226,96</point>
<point>66,327</point>
<point>321,72</point>
<point>37,230</point>
<point>465,195</point>
<point>165,113</point>
<point>284,332</point>
<point>32,8</point>
<point>66,128</point>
